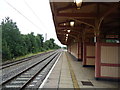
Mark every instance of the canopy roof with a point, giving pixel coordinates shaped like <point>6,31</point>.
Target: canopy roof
<point>92,19</point>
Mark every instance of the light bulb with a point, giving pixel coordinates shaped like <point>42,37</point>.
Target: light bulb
<point>72,23</point>
<point>68,31</point>
<point>78,3</point>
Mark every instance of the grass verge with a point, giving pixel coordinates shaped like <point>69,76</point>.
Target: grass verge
<point>22,57</point>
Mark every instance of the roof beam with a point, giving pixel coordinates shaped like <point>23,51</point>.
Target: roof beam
<point>73,32</point>
<point>109,11</point>
<point>69,27</point>
<point>76,31</point>
<point>73,6</point>
<point>84,22</point>
<point>69,35</point>
<point>70,6</point>
<point>77,15</point>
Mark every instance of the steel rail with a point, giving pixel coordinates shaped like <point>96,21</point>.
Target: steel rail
<point>2,83</point>
<point>21,60</point>
<point>37,73</point>
<point>55,55</point>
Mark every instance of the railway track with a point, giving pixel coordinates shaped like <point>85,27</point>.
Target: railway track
<point>18,67</point>
<point>33,76</point>
<point>6,65</point>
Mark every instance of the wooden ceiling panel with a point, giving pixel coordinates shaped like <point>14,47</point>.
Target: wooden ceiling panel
<point>85,19</point>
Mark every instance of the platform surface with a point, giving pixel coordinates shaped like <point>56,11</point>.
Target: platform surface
<point>69,73</point>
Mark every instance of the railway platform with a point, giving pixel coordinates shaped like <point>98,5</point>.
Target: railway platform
<point>69,73</point>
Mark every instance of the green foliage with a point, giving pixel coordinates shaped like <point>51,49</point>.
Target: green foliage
<point>6,50</point>
<point>64,47</point>
<point>111,41</point>
<point>15,44</point>
<point>49,44</point>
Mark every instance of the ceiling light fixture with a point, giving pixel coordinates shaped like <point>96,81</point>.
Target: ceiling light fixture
<point>72,23</point>
<point>66,39</point>
<point>78,3</point>
<point>68,31</point>
<point>64,24</point>
<point>67,35</point>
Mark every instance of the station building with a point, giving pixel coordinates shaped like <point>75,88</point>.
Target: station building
<point>91,31</point>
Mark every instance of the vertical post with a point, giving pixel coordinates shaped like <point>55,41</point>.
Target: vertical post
<point>70,48</point>
<point>78,45</point>
<point>84,54</point>
<point>97,49</point>
<point>83,49</point>
<point>78,50</point>
<point>97,58</point>
<point>67,48</point>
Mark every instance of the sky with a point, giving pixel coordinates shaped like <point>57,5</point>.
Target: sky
<point>30,16</point>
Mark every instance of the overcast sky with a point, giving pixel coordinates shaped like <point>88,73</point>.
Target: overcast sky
<point>30,16</point>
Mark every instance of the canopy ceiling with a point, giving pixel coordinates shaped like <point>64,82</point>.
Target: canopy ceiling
<point>91,18</point>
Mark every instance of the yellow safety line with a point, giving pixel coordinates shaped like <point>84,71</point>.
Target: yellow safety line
<point>75,83</point>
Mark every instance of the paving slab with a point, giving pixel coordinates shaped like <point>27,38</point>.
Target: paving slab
<point>61,75</point>
<point>88,74</point>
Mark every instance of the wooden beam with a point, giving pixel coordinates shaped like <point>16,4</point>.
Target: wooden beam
<point>69,35</point>
<point>72,32</point>
<point>84,4</point>
<point>84,22</point>
<point>70,6</point>
<point>112,22</point>
<point>93,3</point>
<point>104,3</point>
<point>73,6</point>
<point>69,27</point>
<point>109,11</point>
<point>77,15</point>
<point>54,11</point>
<point>76,31</point>
<point>89,22</point>
<point>114,15</point>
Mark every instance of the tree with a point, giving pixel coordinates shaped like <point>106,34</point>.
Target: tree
<point>15,44</point>
<point>6,54</point>
<point>11,35</point>
<point>49,44</point>
<point>39,40</point>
